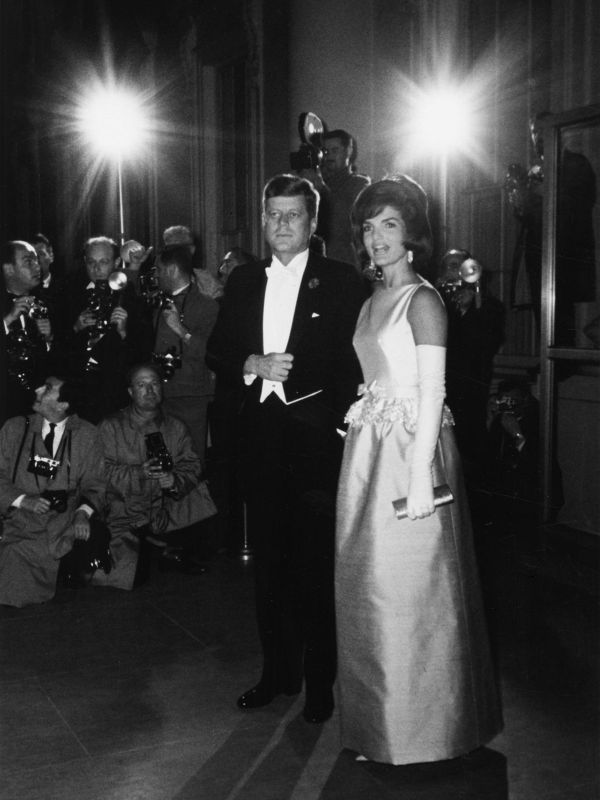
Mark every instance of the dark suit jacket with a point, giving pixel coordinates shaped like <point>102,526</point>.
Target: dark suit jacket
<point>192,378</point>
<point>329,300</point>
<point>105,384</point>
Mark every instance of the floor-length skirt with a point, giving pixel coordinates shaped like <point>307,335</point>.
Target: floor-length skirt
<point>415,676</point>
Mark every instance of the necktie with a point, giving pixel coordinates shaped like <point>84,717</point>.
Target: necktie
<point>49,438</point>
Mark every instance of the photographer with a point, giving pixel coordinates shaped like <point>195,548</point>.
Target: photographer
<point>182,326</point>
<point>28,331</point>
<point>154,485</point>
<point>475,333</point>
<point>108,329</point>
<point>51,481</point>
<point>343,185</point>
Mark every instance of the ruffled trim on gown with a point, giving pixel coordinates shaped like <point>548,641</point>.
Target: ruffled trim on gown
<point>376,407</point>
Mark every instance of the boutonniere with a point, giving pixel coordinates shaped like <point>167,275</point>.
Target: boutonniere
<point>313,283</point>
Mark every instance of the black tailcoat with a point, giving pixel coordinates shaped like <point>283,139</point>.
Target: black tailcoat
<point>291,455</point>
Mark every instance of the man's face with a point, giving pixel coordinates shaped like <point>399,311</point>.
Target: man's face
<point>45,257</point>
<point>145,390</point>
<point>164,273</point>
<point>47,401</point>
<point>450,268</point>
<point>336,156</point>
<point>287,226</point>
<point>25,271</point>
<point>100,262</point>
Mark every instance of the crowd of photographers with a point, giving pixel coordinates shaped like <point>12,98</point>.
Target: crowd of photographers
<point>112,365</point>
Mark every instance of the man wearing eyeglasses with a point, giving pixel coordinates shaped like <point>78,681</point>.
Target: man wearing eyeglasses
<point>283,340</point>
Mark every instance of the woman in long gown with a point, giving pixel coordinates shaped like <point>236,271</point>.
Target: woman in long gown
<point>415,677</point>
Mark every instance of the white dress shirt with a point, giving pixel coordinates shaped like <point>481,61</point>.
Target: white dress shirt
<point>281,295</point>
<point>59,429</point>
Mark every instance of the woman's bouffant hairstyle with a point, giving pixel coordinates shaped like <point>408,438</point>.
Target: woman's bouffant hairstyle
<point>409,199</point>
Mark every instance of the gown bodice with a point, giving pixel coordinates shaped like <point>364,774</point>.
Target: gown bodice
<point>384,341</point>
<point>387,352</point>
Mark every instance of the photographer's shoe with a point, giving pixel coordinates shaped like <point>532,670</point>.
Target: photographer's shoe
<point>179,561</point>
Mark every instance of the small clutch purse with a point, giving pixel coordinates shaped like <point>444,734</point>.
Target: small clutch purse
<point>442,495</point>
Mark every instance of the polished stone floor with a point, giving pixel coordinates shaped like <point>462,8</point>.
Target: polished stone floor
<point>125,696</point>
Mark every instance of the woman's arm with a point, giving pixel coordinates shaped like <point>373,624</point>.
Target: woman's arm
<point>427,318</point>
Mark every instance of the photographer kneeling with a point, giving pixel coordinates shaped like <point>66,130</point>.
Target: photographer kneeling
<point>154,486</point>
<point>51,482</point>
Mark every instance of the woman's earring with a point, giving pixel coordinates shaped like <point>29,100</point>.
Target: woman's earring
<point>410,256</point>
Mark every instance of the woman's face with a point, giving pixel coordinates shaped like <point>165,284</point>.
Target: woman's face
<point>384,237</point>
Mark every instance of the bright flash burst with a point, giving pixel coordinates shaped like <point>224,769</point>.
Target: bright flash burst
<point>442,121</point>
<point>113,121</point>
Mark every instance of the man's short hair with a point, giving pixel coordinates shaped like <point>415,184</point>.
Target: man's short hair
<point>176,233</point>
<point>149,365</point>
<point>345,138</point>
<point>9,251</point>
<point>39,238</point>
<point>72,391</point>
<point>287,185</point>
<point>106,240</point>
<point>178,255</point>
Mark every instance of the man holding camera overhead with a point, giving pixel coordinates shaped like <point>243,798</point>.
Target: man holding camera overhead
<point>154,485</point>
<point>182,326</point>
<point>107,332</point>
<point>51,482</point>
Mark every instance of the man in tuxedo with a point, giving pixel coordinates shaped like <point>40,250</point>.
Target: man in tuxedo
<point>283,339</point>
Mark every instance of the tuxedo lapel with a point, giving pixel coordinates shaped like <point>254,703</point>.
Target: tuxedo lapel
<point>254,305</point>
<point>304,305</point>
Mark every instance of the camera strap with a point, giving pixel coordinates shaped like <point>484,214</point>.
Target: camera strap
<point>26,428</point>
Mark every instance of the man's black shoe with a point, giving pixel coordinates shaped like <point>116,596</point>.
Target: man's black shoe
<point>256,697</point>
<point>180,562</point>
<point>319,709</point>
<point>261,695</point>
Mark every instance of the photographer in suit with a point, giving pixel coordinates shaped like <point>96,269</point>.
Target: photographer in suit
<point>108,330</point>
<point>283,342</point>
<point>51,482</point>
<point>182,326</point>
<point>28,331</point>
<point>154,484</point>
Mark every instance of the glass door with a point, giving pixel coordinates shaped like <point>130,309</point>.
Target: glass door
<point>570,320</point>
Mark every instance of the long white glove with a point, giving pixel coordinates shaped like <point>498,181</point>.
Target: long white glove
<point>431,364</point>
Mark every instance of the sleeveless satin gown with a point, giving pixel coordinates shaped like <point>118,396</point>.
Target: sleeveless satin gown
<point>415,678</point>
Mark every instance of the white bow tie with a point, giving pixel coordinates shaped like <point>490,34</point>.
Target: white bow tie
<point>278,271</point>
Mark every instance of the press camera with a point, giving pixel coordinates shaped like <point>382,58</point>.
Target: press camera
<point>58,500</point>
<point>460,271</point>
<point>168,362</point>
<point>43,466</point>
<point>156,450</point>
<point>310,153</point>
<point>103,298</point>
